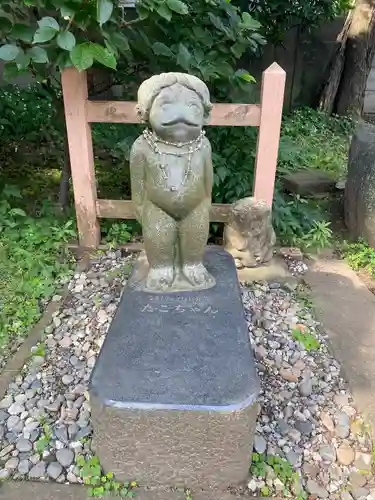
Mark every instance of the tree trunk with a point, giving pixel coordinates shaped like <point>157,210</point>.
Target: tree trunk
<point>359,53</point>
<point>65,178</point>
<point>328,95</point>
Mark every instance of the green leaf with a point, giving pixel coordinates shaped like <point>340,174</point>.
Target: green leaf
<point>82,57</point>
<point>38,55</point>
<point>66,12</point>
<point>9,52</point>
<point>178,6</point>
<point>63,60</point>
<point>104,9</point>
<point>44,35</point>
<point>238,49</point>
<point>49,22</point>
<point>17,211</point>
<point>23,32</point>
<point>66,40</point>
<point>161,50</point>
<point>244,75</point>
<point>111,48</point>
<point>10,72</point>
<point>22,60</point>
<point>183,57</point>
<point>5,24</point>
<point>103,56</point>
<point>250,23</point>
<point>164,11</point>
<point>119,41</point>
<point>142,12</point>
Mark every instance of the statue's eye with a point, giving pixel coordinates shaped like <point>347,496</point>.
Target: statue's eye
<point>193,105</point>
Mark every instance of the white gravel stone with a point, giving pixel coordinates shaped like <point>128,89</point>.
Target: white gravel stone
<point>298,387</point>
<point>38,471</point>
<point>6,402</point>
<point>4,474</point>
<point>16,409</point>
<point>54,470</point>
<point>260,444</point>
<point>24,467</point>
<point>11,464</point>
<point>24,445</point>
<point>65,456</point>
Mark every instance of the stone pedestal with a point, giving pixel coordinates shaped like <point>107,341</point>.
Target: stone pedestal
<point>174,389</point>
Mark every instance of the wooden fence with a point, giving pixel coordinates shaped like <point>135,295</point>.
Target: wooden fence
<point>80,112</point>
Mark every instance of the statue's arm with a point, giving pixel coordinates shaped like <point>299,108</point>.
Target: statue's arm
<point>209,171</point>
<point>137,177</point>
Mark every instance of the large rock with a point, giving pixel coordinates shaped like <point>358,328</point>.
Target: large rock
<point>249,235</point>
<point>360,186</point>
<point>174,389</point>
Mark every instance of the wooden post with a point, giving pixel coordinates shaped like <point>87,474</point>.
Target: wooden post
<point>272,99</point>
<point>74,85</point>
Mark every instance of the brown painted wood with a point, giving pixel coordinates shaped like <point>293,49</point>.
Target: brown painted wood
<point>123,209</point>
<point>74,86</point>
<point>125,112</point>
<point>272,100</point>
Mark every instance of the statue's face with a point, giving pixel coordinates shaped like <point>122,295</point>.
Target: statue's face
<point>177,114</point>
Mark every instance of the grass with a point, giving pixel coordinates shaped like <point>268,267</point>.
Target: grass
<point>32,264</point>
<point>359,255</point>
<point>262,465</point>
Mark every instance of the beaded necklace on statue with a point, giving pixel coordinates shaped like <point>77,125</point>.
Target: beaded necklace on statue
<point>193,146</point>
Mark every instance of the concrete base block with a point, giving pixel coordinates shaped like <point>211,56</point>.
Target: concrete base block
<point>174,390</point>
<point>179,448</point>
<point>275,270</point>
<point>16,490</point>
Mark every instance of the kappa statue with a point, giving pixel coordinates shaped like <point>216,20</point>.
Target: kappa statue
<point>171,177</point>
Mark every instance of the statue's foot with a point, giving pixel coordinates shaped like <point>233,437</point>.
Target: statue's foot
<point>198,275</point>
<point>159,278</point>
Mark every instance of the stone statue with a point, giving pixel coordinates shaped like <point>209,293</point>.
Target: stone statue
<point>249,235</point>
<point>171,177</point>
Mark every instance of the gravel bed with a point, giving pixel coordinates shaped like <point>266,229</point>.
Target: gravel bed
<point>306,416</point>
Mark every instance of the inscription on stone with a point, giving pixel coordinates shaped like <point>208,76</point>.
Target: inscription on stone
<point>178,308</point>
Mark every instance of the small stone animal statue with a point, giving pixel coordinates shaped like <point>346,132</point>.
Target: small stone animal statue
<point>171,178</point>
<point>249,235</point>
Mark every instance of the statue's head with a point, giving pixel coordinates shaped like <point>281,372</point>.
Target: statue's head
<point>176,105</point>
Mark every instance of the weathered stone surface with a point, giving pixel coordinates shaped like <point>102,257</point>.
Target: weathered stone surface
<point>345,455</point>
<point>360,185</point>
<point>249,235</point>
<point>14,490</point>
<point>308,182</point>
<point>182,409</point>
<point>173,208</point>
<point>275,270</point>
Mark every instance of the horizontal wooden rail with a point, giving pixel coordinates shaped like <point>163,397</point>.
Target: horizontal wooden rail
<point>123,209</point>
<point>235,115</point>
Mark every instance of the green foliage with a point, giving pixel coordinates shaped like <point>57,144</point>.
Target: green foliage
<point>359,255</point>
<point>307,339</point>
<point>39,350</point>
<point>117,233</point>
<point>279,16</point>
<point>309,139</point>
<point>262,464</point>
<point>32,260</point>
<point>43,442</point>
<point>188,494</point>
<point>319,236</point>
<point>101,484</point>
<point>203,37</point>
<point>313,139</point>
